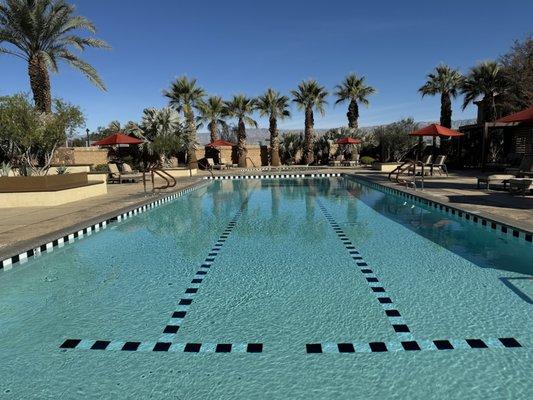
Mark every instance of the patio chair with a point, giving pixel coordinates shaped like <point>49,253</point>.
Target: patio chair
<point>126,169</point>
<point>440,166</point>
<point>492,179</point>
<point>115,175</point>
<point>228,165</point>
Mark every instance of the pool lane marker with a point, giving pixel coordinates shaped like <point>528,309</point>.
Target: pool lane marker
<point>412,345</point>
<point>48,247</point>
<point>394,317</point>
<point>160,346</point>
<point>172,328</point>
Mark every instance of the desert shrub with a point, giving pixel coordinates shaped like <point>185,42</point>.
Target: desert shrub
<point>366,160</point>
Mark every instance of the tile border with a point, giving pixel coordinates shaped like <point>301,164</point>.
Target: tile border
<point>272,176</point>
<point>69,238</point>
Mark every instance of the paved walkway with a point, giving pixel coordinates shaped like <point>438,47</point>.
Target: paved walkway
<point>23,228</point>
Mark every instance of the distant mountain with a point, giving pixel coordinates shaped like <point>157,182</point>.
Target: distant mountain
<point>254,136</point>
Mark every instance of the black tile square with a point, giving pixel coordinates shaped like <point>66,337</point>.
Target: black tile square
<point>210,259</point>
<point>372,279</point>
<point>201,273</point>
<point>346,348</point>
<point>401,328</point>
<point>179,314</point>
<point>510,342</point>
<point>191,290</point>
<point>493,225</point>
<point>314,348</point>
<point>392,313</point>
<point>185,302</point>
<point>192,347</point>
<point>70,344</point>
<point>515,233</point>
<point>223,348</point>
<point>529,237</point>
<point>378,289</point>
<point>196,280</point>
<point>254,347</point>
<point>484,222</point>
<point>443,344</point>
<point>384,300</point>
<point>131,346</point>
<point>100,345</point>
<point>171,329</point>
<point>378,346</point>
<point>476,343</point>
<point>410,346</point>
<point>504,229</point>
<point>162,346</point>
<point>366,271</point>
<point>362,264</point>
<point>212,254</point>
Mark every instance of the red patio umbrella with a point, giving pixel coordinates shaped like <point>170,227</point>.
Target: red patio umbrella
<point>220,143</point>
<point>348,140</point>
<point>522,116</point>
<point>117,138</point>
<point>435,130</point>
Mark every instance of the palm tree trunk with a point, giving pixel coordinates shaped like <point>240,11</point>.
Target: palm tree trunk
<point>40,84</point>
<point>274,142</point>
<point>213,131</point>
<point>308,145</point>
<point>353,115</point>
<point>191,146</point>
<point>445,110</point>
<point>241,143</point>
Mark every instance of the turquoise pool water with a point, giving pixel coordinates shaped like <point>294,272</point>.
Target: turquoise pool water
<point>274,289</point>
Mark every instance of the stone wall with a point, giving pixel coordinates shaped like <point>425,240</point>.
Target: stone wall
<point>79,155</point>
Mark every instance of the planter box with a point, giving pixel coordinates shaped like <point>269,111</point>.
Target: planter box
<point>385,167</point>
<point>180,172</point>
<point>69,169</point>
<point>42,183</point>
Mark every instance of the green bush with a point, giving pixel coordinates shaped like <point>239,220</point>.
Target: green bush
<point>100,168</point>
<point>366,160</point>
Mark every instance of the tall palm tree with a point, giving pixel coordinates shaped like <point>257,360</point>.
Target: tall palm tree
<point>353,89</point>
<point>445,81</point>
<point>212,113</point>
<point>310,95</point>
<point>485,80</point>
<point>185,95</point>
<point>42,33</point>
<point>240,107</point>
<point>275,106</point>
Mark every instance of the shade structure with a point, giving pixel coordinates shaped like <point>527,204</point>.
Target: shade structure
<point>117,138</point>
<point>220,143</point>
<point>522,116</point>
<point>436,130</point>
<point>348,140</point>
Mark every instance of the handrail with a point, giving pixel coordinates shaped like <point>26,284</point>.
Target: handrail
<point>161,173</point>
<point>252,161</point>
<point>408,166</point>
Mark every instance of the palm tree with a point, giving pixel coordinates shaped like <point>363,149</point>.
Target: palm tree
<point>310,95</point>
<point>353,89</point>
<point>486,79</point>
<point>445,81</point>
<point>42,32</point>
<point>184,96</point>
<point>275,106</point>
<point>212,113</point>
<point>241,107</point>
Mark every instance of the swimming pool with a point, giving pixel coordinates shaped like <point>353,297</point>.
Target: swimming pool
<point>274,288</point>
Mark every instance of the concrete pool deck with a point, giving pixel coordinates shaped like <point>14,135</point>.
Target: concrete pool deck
<point>26,227</point>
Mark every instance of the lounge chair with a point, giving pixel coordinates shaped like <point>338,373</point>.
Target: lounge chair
<point>126,169</point>
<point>486,181</point>
<point>211,164</point>
<point>520,185</point>
<point>525,168</point>
<point>228,165</point>
<point>337,161</point>
<point>440,166</point>
<point>115,175</point>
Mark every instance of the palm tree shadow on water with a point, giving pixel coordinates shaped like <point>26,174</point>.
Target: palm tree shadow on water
<point>483,248</point>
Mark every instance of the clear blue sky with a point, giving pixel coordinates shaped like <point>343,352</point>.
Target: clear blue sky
<point>247,46</point>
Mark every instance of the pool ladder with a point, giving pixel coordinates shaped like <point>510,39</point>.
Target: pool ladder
<point>409,174</point>
<point>170,181</point>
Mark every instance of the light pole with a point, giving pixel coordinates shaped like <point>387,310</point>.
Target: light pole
<point>87,131</point>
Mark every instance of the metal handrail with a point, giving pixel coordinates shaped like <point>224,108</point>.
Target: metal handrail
<point>162,174</point>
<point>409,166</point>
<point>252,161</point>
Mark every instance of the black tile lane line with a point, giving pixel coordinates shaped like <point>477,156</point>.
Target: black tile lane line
<point>412,345</point>
<point>167,347</point>
<point>178,315</point>
<point>395,318</point>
